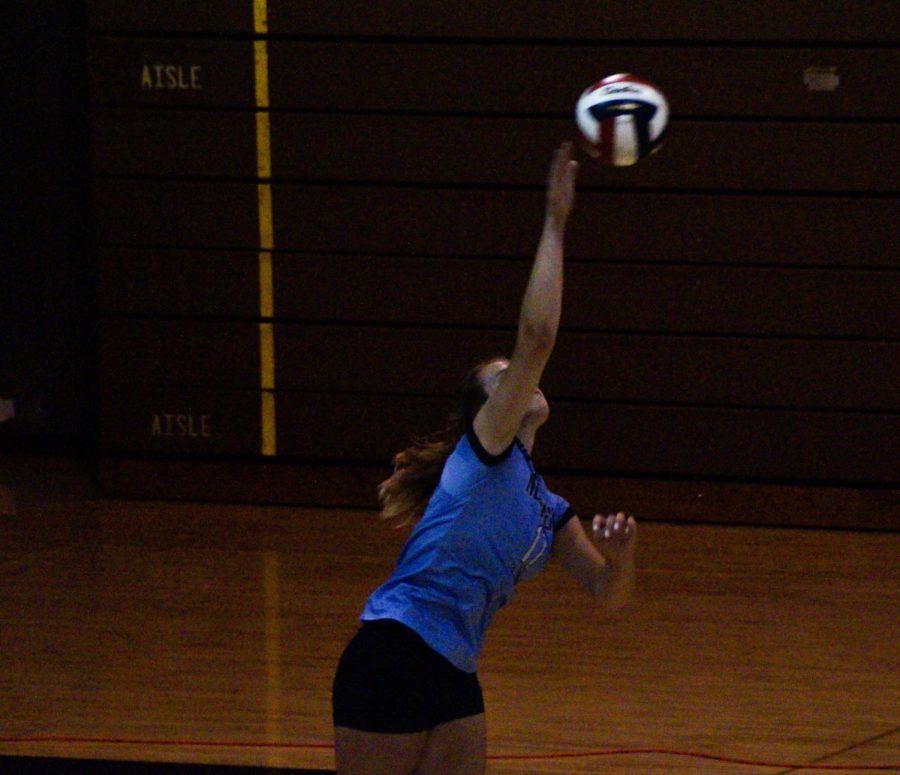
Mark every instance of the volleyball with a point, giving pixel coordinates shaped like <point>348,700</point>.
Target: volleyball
<point>622,118</point>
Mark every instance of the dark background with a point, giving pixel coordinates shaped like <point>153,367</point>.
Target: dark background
<point>47,338</point>
<point>152,346</point>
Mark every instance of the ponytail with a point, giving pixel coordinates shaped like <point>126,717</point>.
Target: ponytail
<point>417,469</point>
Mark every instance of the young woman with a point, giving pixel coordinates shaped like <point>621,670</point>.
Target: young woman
<point>406,695</point>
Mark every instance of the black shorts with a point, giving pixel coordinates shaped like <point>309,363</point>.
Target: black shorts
<point>390,680</point>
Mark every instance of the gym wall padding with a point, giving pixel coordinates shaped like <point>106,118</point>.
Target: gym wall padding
<point>732,304</point>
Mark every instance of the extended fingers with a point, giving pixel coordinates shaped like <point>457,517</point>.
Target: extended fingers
<point>613,526</point>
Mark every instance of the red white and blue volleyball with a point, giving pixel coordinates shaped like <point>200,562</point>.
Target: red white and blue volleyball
<point>623,119</point>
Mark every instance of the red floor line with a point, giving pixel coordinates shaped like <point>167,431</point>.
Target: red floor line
<point>493,757</point>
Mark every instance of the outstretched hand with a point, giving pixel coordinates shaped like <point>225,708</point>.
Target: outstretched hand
<point>561,185</point>
<point>615,536</point>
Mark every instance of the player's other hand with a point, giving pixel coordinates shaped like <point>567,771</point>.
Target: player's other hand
<point>615,535</point>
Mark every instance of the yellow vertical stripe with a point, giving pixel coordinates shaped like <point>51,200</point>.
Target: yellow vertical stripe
<point>260,16</point>
<point>269,442</point>
<point>271,582</point>
<point>266,285</point>
<point>266,231</point>
<point>266,227</point>
<point>263,152</point>
<point>261,58</point>
<point>267,361</point>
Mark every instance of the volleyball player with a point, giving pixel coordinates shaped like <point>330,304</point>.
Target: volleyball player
<point>406,693</point>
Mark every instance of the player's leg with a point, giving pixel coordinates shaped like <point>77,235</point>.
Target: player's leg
<point>375,753</point>
<point>456,747</point>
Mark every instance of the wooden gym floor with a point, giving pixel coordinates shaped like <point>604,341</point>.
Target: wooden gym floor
<point>146,629</point>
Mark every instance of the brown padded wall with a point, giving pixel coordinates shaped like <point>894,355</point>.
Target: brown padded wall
<point>732,307</point>
<point>796,20</point>
<point>632,439</point>
<point>851,232</point>
<point>785,373</point>
<point>495,79</point>
<point>784,157</point>
<point>751,301</point>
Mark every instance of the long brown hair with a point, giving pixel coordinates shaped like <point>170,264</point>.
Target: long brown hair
<point>417,469</point>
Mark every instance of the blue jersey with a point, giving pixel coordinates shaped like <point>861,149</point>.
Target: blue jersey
<point>488,526</point>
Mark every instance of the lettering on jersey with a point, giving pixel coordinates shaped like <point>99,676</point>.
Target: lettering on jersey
<point>532,487</point>
<point>543,536</point>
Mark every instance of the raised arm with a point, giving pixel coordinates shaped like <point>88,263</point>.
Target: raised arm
<point>499,419</point>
